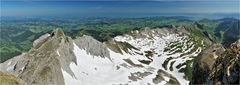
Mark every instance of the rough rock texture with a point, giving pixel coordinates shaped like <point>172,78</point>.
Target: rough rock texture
<point>9,79</point>
<point>52,55</point>
<point>37,43</point>
<point>218,66</point>
<point>92,46</point>
<point>160,77</point>
<point>203,63</point>
<point>118,46</point>
<point>226,69</point>
<point>43,64</point>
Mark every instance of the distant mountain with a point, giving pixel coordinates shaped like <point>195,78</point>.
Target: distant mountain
<point>224,25</point>
<point>120,51</point>
<point>232,34</point>
<point>18,34</point>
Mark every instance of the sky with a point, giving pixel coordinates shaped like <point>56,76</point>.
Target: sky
<point>116,8</point>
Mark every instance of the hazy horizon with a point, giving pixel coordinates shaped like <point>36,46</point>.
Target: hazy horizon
<point>26,8</point>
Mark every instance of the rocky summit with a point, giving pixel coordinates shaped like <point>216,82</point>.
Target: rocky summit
<point>217,65</point>
<point>141,57</point>
<point>226,69</point>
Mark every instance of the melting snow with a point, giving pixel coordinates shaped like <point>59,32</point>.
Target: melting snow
<point>10,67</point>
<point>95,70</point>
<point>58,53</point>
<point>86,74</point>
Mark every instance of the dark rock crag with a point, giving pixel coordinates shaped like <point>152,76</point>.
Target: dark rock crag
<point>217,66</point>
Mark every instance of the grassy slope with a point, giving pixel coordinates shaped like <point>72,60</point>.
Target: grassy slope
<point>17,35</point>
<point>8,79</point>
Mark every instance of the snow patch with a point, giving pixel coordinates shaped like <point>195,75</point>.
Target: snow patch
<point>58,53</point>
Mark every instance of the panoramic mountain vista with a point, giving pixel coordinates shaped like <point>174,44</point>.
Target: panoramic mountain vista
<point>147,56</point>
<point>141,57</point>
<point>120,42</point>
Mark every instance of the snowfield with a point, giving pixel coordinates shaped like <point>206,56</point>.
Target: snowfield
<point>126,68</point>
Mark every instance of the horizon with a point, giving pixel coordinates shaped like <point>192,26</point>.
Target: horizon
<point>190,8</point>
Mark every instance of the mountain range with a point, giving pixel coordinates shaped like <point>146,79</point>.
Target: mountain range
<point>167,54</point>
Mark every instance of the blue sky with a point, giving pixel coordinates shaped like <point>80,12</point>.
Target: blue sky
<point>118,8</point>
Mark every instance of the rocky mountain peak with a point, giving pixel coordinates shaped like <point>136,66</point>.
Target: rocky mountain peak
<point>92,46</point>
<point>223,69</point>
<point>226,68</point>
<point>57,33</point>
<point>42,64</point>
<point>161,56</point>
<point>204,61</point>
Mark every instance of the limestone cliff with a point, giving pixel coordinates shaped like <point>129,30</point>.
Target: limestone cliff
<point>216,65</point>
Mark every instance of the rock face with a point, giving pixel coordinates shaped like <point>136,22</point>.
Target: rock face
<point>148,56</point>
<point>215,65</point>
<point>42,64</point>
<point>226,69</point>
<point>203,63</point>
<point>92,46</point>
<point>9,79</point>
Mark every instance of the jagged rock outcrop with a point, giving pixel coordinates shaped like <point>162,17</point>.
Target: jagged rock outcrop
<point>203,63</point>
<point>49,56</point>
<point>148,56</point>
<point>9,79</point>
<point>37,43</point>
<point>92,46</point>
<point>226,69</point>
<point>217,66</point>
<point>43,63</point>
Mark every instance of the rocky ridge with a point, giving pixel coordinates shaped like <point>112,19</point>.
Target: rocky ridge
<point>218,65</point>
<point>148,56</point>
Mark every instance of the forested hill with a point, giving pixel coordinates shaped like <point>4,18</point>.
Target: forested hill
<point>18,34</point>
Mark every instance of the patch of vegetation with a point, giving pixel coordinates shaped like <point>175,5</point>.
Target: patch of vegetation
<point>179,47</point>
<point>120,46</point>
<point>174,44</point>
<point>158,78</point>
<point>187,70</point>
<point>138,75</point>
<point>171,65</point>
<point>196,45</point>
<point>125,46</point>
<point>200,33</point>
<point>45,71</point>
<point>148,53</point>
<point>145,61</point>
<point>8,79</point>
<point>131,63</point>
<point>166,49</point>
<point>113,46</point>
<point>172,82</point>
<point>17,35</point>
<point>180,65</point>
<point>165,63</point>
<point>177,51</point>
